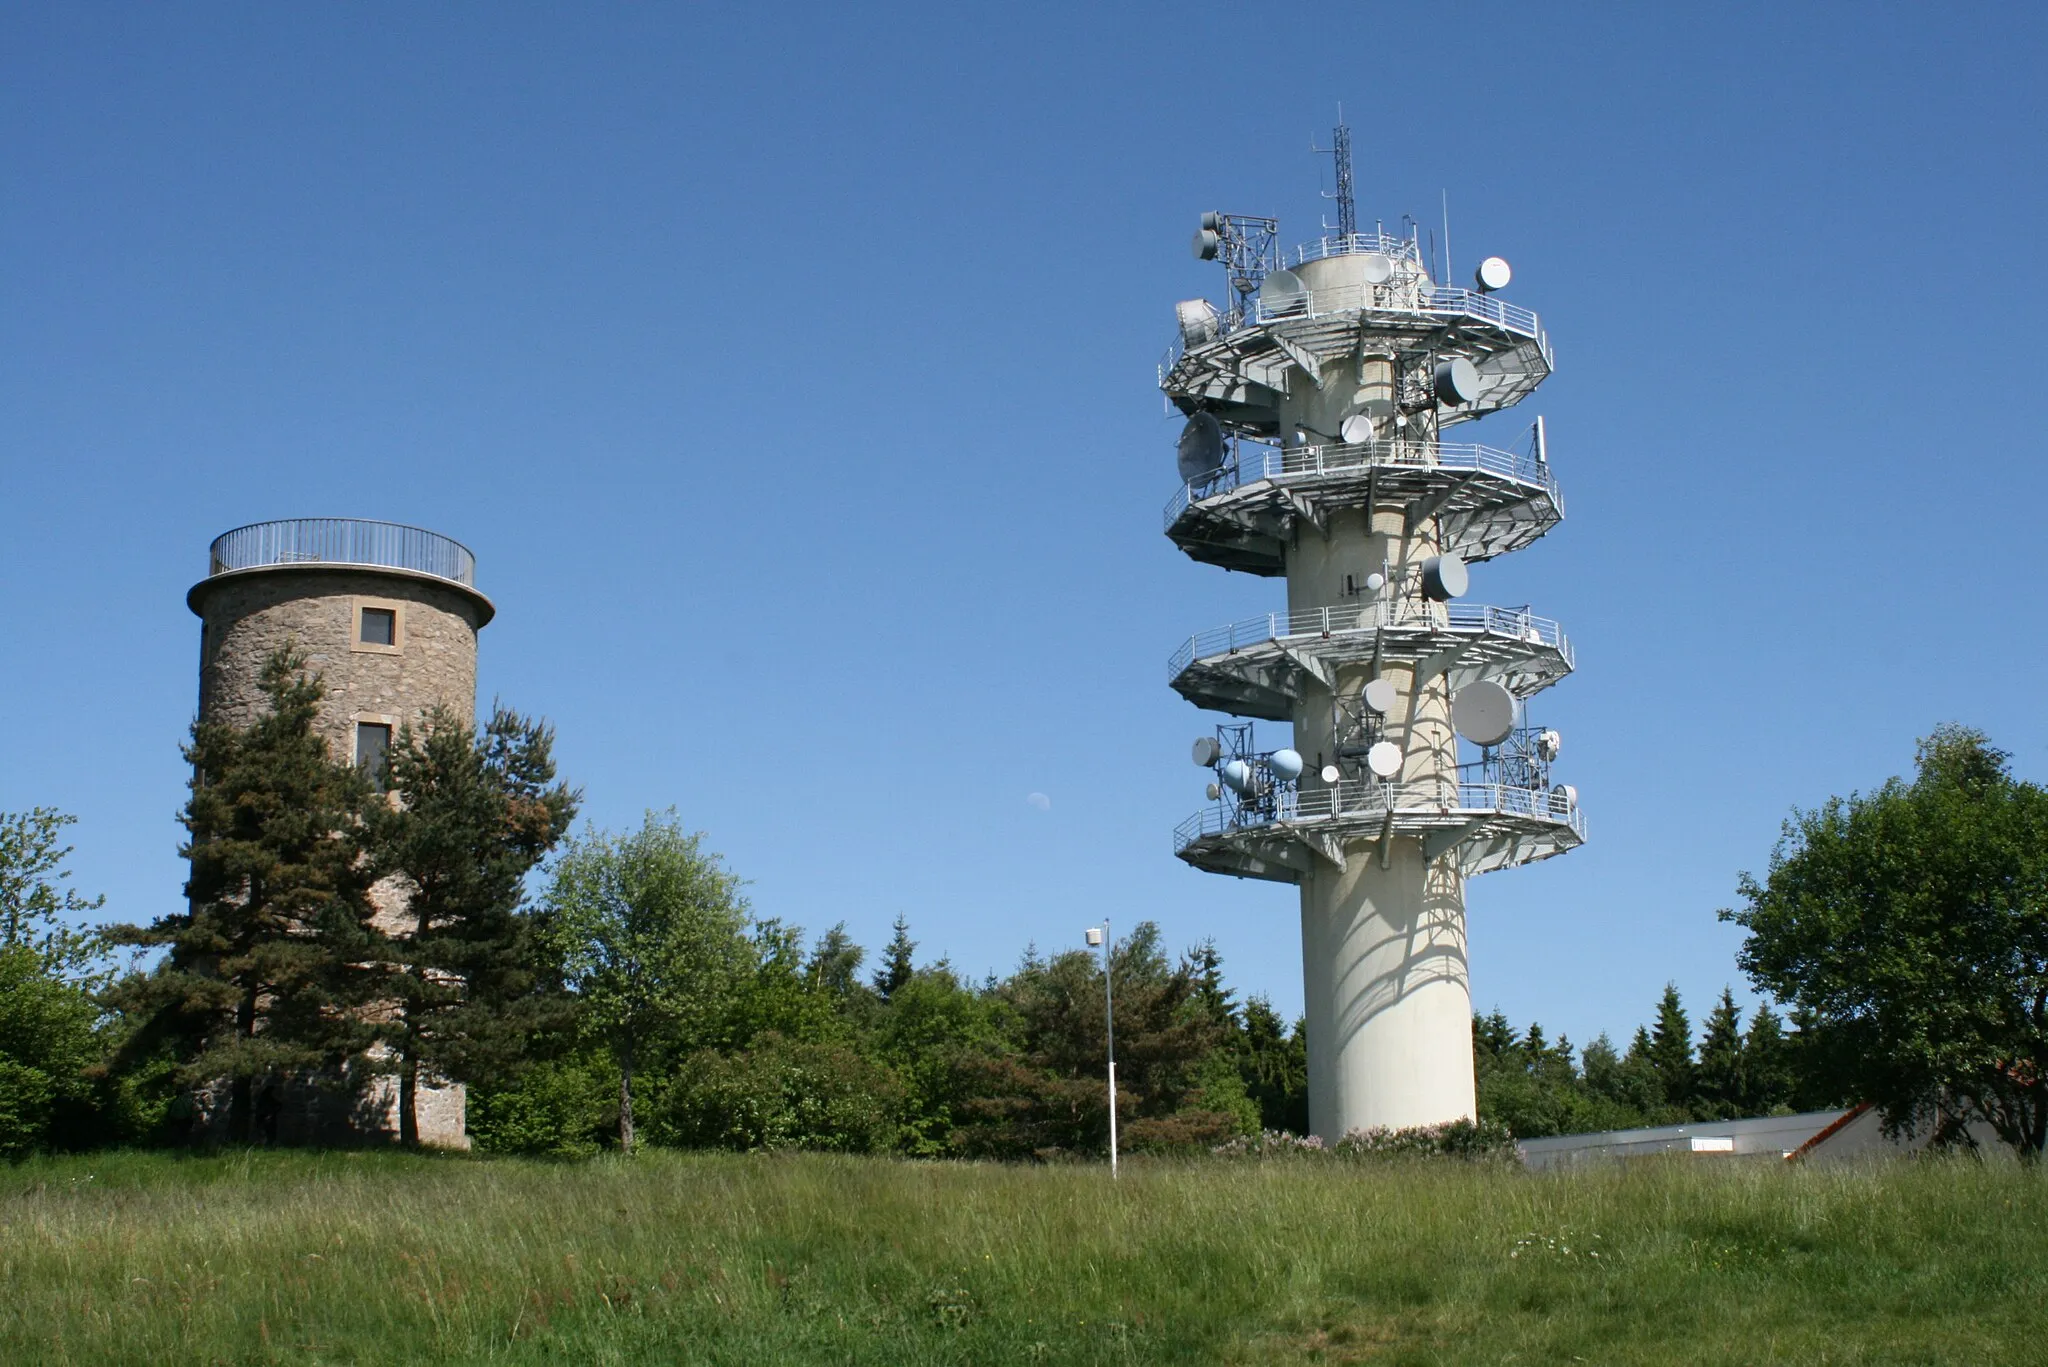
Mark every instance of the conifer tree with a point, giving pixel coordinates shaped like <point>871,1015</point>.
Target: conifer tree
<point>467,817</point>
<point>1718,1080</point>
<point>898,962</point>
<point>265,973</point>
<point>1767,1064</point>
<point>1670,1049</point>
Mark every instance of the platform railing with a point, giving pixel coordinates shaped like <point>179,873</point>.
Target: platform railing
<point>1373,799</point>
<point>342,541</point>
<point>1357,244</point>
<point>1255,463</point>
<point>1315,623</point>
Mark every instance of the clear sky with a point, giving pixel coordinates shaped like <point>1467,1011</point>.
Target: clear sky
<point>791,372</point>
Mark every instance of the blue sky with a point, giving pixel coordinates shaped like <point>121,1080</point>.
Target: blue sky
<point>790,372</point>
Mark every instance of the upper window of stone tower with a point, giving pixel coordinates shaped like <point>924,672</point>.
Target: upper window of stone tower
<point>379,627</point>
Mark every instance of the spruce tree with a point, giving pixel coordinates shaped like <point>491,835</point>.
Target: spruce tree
<point>1670,1049</point>
<point>1718,1088</point>
<point>1767,1065</point>
<point>266,971</point>
<point>467,817</point>
<point>898,963</point>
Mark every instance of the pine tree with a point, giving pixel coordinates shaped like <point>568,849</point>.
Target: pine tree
<point>1670,1049</point>
<point>1718,1084</point>
<point>266,971</point>
<point>898,963</point>
<point>1275,1068</point>
<point>468,817</point>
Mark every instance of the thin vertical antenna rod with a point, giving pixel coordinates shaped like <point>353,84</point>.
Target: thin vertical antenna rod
<point>1109,1020</point>
<point>1447,237</point>
<point>1340,152</point>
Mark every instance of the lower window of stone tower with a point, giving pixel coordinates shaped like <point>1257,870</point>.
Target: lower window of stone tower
<point>373,743</point>
<point>379,627</point>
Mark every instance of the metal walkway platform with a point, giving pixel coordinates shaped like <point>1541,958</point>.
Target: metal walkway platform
<point>1489,826</point>
<point>1256,667</point>
<point>1486,501</point>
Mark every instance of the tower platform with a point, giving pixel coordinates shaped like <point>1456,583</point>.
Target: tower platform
<point>1486,501</point>
<point>1241,375</point>
<point>1484,826</point>
<point>1257,667</point>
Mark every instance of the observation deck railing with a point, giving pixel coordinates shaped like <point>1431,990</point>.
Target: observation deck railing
<point>1432,301</point>
<point>1514,623</point>
<point>1254,463</point>
<point>1373,799</point>
<point>1357,244</point>
<point>342,541</point>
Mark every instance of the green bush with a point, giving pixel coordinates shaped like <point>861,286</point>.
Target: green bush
<point>48,1039</point>
<point>780,1094</point>
<point>560,1108</point>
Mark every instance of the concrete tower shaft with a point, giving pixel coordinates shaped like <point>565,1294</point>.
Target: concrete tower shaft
<point>1333,390</point>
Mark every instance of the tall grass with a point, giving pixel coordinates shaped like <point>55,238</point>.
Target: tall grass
<point>672,1258</point>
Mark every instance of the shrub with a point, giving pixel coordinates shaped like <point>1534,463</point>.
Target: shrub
<point>1467,1139</point>
<point>48,1039</point>
<point>780,1094</point>
<point>560,1108</point>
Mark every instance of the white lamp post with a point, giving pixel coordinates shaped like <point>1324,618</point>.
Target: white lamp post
<point>1098,938</point>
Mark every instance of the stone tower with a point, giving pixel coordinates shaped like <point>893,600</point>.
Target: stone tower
<point>388,617</point>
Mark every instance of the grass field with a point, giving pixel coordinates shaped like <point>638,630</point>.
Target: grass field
<point>383,1258</point>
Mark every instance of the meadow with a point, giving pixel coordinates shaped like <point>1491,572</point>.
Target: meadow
<point>280,1257</point>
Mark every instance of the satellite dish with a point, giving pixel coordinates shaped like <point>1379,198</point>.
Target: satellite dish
<point>1445,577</point>
<point>1493,274</point>
<point>1236,776</point>
<point>1331,773</point>
<point>1379,695</point>
<point>1483,712</point>
<point>1378,270</point>
<point>1207,751</point>
<point>1457,381</point>
<point>1215,791</point>
<point>1198,324</point>
<point>1563,798</point>
<point>1212,220</point>
<point>1285,764</point>
<point>1374,582</point>
<point>1548,744</point>
<point>1384,759</point>
<point>1201,447</point>
<point>1356,430</point>
<point>1282,291</point>
<point>1206,243</point>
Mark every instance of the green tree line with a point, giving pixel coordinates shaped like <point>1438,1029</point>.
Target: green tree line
<point>348,933</point>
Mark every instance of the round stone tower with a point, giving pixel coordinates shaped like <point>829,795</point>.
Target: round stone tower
<point>387,616</point>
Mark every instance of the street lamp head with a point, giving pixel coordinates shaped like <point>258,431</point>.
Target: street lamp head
<point>1094,937</point>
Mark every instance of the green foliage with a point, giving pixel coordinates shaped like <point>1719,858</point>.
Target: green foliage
<point>1908,928</point>
<point>1669,1049</point>
<point>35,910</point>
<point>1274,1064</point>
<point>271,963</point>
<point>649,930</point>
<point>47,1043</point>
<point>781,1094</point>
<point>468,816</point>
<point>1719,1085</point>
<point>1468,1139</point>
<point>558,1108</point>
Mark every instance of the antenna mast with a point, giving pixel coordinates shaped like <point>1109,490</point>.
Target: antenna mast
<point>1340,152</point>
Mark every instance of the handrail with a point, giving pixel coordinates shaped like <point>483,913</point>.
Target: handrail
<point>1255,463</point>
<point>1401,248</point>
<point>342,541</point>
<point>1357,798</point>
<point>1514,623</point>
<point>1396,296</point>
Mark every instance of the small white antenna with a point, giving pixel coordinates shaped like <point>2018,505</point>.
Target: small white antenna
<point>1447,237</point>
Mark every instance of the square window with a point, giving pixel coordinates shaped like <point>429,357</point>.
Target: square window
<point>379,628</point>
<point>373,743</point>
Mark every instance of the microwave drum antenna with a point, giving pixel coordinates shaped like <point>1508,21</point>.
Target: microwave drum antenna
<point>1445,577</point>
<point>1456,381</point>
<point>1483,712</point>
<point>1384,759</point>
<point>1201,447</point>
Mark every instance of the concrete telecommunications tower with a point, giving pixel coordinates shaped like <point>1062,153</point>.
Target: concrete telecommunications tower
<point>1317,400</point>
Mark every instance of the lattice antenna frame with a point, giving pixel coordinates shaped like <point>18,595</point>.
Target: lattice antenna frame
<point>1339,151</point>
